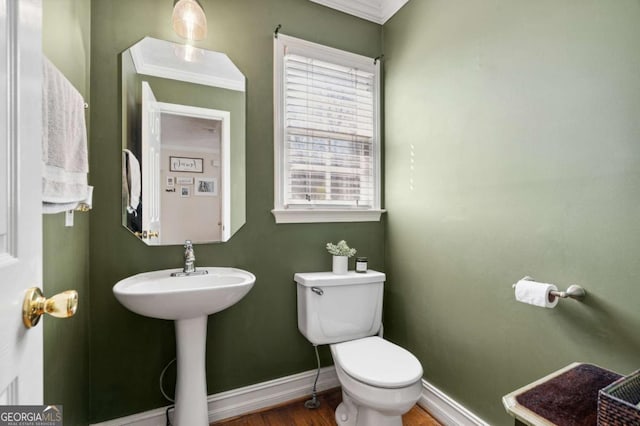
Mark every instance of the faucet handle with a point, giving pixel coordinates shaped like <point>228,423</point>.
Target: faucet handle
<point>188,244</point>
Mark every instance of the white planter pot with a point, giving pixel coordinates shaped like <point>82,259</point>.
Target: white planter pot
<point>340,265</point>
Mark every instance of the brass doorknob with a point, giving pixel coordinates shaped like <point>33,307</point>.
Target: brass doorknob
<point>62,305</point>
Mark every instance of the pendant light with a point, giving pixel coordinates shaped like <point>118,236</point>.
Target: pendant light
<point>189,20</point>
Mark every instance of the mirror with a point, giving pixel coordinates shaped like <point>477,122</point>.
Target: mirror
<point>183,140</point>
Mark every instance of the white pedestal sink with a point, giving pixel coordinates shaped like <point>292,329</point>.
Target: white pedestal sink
<point>187,300</point>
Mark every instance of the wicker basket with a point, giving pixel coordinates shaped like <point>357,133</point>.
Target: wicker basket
<point>618,402</point>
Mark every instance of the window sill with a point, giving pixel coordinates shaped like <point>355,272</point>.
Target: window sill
<point>326,215</point>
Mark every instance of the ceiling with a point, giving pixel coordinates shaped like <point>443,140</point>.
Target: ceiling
<point>190,133</point>
<point>378,11</point>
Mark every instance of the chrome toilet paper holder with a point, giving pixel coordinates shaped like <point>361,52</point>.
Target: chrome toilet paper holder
<point>574,291</point>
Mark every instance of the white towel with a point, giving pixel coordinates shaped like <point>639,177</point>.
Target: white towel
<point>131,180</point>
<point>86,204</point>
<point>64,141</point>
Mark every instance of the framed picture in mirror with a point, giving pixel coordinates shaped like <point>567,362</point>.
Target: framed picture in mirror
<point>185,164</point>
<point>206,186</point>
<point>181,180</point>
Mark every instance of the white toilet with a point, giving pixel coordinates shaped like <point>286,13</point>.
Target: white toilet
<point>380,381</point>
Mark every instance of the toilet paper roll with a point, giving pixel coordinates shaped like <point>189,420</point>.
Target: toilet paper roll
<point>535,293</point>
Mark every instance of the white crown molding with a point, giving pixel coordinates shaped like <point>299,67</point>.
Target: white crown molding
<point>390,7</point>
<point>378,11</point>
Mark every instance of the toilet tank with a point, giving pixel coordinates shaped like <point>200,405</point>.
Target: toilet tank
<point>335,308</point>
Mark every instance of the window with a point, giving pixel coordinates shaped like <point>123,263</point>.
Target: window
<point>327,146</point>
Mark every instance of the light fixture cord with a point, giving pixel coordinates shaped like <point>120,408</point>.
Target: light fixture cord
<point>164,370</point>
<point>166,413</point>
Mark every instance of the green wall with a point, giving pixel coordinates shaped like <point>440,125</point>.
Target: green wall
<point>66,27</point>
<point>257,339</point>
<point>512,149</point>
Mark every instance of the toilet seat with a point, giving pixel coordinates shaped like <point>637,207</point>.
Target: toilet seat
<point>377,362</point>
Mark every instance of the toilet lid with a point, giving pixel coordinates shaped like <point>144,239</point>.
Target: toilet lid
<point>378,362</point>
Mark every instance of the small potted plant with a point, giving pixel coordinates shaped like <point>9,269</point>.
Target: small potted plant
<point>341,254</point>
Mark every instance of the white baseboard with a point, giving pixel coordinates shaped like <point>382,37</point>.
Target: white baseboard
<point>252,398</point>
<point>244,400</point>
<point>446,410</point>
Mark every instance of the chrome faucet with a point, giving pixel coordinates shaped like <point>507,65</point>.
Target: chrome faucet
<point>189,262</point>
<point>189,258</point>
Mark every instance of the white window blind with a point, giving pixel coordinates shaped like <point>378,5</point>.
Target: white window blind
<point>329,134</point>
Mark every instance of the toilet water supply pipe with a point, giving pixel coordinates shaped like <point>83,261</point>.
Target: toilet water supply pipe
<point>313,402</point>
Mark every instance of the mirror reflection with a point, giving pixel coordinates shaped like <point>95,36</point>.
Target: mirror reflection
<point>183,144</point>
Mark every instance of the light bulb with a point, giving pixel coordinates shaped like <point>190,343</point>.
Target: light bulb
<point>189,20</point>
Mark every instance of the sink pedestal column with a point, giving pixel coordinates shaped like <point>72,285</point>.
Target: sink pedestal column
<point>191,382</point>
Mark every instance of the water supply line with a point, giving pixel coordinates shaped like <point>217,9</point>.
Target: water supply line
<point>314,402</point>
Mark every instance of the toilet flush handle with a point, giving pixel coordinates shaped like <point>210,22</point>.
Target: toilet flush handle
<point>317,290</point>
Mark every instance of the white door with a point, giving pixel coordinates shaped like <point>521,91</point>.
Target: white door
<point>151,184</point>
<point>20,201</point>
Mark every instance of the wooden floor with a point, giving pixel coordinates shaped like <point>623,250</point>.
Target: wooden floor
<point>295,414</point>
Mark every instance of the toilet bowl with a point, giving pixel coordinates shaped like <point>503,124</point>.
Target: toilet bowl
<point>380,382</point>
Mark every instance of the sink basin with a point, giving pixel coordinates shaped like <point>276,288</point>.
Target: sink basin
<point>159,295</point>
<point>188,301</point>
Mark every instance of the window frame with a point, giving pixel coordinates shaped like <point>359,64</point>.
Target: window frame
<point>324,213</point>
